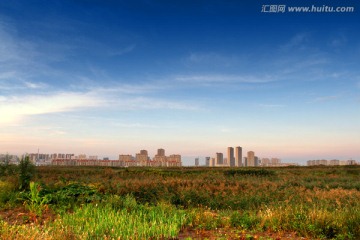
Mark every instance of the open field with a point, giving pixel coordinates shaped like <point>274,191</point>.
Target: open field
<point>171,203</point>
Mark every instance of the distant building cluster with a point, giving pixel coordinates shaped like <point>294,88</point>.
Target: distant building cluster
<point>275,162</point>
<point>9,159</point>
<point>141,159</point>
<point>270,162</point>
<point>334,162</point>
<point>235,159</point>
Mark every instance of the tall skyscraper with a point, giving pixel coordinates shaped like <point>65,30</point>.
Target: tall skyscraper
<point>144,152</point>
<point>219,159</point>
<point>142,158</point>
<point>161,152</point>
<point>238,157</point>
<point>230,157</point>
<point>196,162</point>
<point>251,159</point>
<point>256,161</point>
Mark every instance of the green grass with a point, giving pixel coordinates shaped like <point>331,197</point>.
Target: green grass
<point>156,203</point>
<point>126,219</point>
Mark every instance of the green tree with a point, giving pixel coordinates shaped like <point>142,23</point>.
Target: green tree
<point>26,172</point>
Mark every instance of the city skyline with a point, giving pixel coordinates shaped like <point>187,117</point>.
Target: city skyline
<point>192,77</point>
<point>143,159</point>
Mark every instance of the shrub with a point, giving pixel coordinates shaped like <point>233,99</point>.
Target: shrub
<point>26,173</point>
<point>7,193</point>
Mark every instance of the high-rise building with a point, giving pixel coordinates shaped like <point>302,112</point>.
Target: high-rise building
<point>144,152</point>
<point>311,162</point>
<point>160,159</point>
<point>207,161</point>
<point>275,161</point>
<point>196,162</point>
<point>142,158</point>
<point>257,162</point>
<point>265,162</point>
<point>238,157</point>
<point>251,159</point>
<point>245,162</point>
<point>174,160</point>
<point>230,157</point>
<point>219,159</point>
<point>323,162</point>
<point>212,162</point>
<point>161,152</point>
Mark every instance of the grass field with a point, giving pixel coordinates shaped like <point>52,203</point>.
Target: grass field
<point>185,203</point>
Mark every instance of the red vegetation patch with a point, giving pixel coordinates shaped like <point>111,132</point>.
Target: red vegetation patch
<point>228,233</point>
<point>20,215</point>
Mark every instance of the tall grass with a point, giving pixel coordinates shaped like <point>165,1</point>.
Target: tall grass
<point>119,218</point>
<point>125,221</point>
<point>313,202</point>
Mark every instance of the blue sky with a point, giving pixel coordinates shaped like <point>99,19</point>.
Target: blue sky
<point>193,77</point>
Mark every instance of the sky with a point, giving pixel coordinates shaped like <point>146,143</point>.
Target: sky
<point>193,77</point>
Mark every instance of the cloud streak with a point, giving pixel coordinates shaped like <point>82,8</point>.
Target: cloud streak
<point>15,108</point>
<point>271,106</point>
<point>326,98</point>
<point>224,79</point>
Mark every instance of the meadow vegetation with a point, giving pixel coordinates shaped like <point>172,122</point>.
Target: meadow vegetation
<point>163,203</point>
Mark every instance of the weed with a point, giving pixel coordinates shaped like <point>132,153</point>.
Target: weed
<point>36,203</point>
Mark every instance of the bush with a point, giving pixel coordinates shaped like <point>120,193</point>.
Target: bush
<point>7,169</point>
<point>7,194</point>
<point>26,173</point>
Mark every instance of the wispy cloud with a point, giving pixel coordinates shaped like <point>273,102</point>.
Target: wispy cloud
<point>20,60</point>
<point>326,98</point>
<point>299,41</point>
<point>138,125</point>
<point>146,103</point>
<point>217,78</point>
<point>33,85</point>
<point>271,106</point>
<point>14,109</point>
<point>122,51</point>
<point>211,58</point>
<point>126,88</point>
<point>15,86</point>
<point>9,48</point>
<point>338,41</point>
